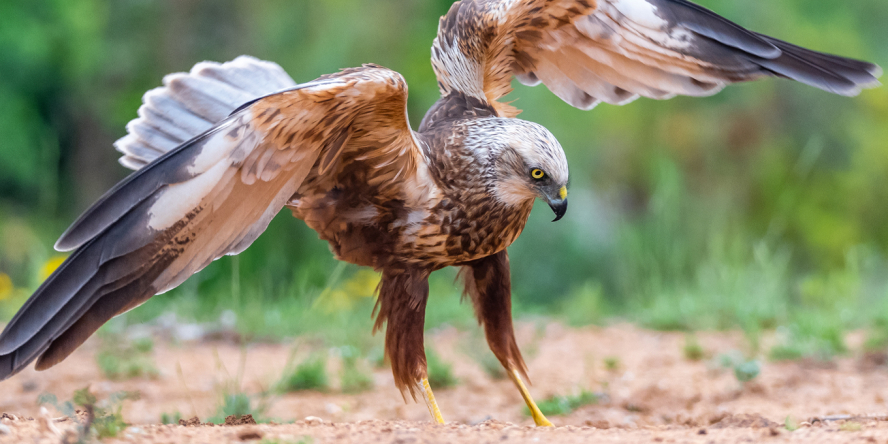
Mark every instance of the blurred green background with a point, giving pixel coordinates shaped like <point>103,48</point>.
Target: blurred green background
<point>763,207</point>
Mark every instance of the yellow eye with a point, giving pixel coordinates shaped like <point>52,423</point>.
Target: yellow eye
<point>537,174</point>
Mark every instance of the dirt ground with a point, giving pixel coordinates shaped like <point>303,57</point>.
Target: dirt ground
<point>650,393</point>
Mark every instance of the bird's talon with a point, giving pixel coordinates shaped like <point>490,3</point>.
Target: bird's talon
<point>538,417</point>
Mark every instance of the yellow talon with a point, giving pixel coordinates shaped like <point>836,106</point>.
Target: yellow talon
<point>538,416</point>
<point>430,401</point>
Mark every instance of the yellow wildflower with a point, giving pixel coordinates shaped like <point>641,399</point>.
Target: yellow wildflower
<point>5,287</point>
<point>50,266</point>
<point>363,284</point>
<point>343,297</point>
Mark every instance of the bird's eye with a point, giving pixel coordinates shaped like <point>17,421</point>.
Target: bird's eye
<point>537,174</point>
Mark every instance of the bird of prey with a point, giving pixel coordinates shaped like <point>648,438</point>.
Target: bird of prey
<point>219,151</point>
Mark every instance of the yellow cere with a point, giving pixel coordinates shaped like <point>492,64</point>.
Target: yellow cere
<point>537,173</point>
<point>563,193</point>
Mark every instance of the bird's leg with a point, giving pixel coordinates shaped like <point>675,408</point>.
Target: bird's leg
<point>487,283</point>
<point>538,417</point>
<point>401,304</point>
<point>430,400</point>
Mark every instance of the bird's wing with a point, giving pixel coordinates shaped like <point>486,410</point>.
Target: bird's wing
<point>613,51</point>
<point>189,104</point>
<point>211,196</point>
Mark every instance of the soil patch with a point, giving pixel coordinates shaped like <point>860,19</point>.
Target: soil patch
<point>647,392</point>
<point>233,420</point>
<point>745,421</point>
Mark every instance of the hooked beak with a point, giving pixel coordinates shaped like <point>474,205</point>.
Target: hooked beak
<point>559,204</point>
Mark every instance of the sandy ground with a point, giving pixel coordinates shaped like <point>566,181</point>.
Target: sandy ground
<point>652,394</point>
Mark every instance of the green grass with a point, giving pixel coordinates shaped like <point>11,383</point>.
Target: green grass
<point>692,349</point>
<point>326,306</point>
<point>310,374</point>
<point>170,418</point>
<point>354,378</point>
<point>790,423</point>
<point>233,400</point>
<point>877,334</point>
<point>564,405</point>
<point>121,359</point>
<point>107,418</point>
<point>492,367</point>
<point>851,426</point>
<point>376,356</point>
<point>476,348</point>
<point>584,305</point>
<point>240,404</point>
<point>745,369</point>
<point>811,334</point>
<point>440,373</point>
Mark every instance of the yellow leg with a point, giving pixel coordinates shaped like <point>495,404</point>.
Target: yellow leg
<point>430,401</point>
<point>538,416</point>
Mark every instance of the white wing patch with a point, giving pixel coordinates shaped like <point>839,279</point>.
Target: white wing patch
<point>640,12</point>
<point>177,200</point>
<point>230,145</point>
<point>635,22</point>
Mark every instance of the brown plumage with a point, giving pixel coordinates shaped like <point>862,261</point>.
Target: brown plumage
<point>221,150</point>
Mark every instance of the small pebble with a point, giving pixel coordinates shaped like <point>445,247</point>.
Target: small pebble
<point>313,420</point>
<point>5,430</point>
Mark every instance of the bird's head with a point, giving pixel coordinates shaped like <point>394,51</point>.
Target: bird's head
<point>529,163</point>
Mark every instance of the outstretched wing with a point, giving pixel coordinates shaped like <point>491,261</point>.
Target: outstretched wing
<point>613,51</point>
<point>211,196</point>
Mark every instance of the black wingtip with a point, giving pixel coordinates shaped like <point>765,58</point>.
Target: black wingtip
<point>831,73</point>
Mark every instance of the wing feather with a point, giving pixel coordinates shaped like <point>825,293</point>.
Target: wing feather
<point>210,196</point>
<point>191,103</point>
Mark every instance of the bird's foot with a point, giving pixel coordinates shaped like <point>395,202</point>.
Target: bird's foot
<point>535,412</point>
<point>430,401</point>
